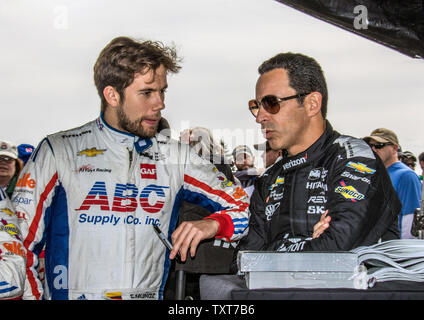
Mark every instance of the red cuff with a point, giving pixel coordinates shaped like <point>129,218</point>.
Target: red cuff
<point>226,226</point>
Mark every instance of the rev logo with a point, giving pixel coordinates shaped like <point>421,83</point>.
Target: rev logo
<point>148,171</point>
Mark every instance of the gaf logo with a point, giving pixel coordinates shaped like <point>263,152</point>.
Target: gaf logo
<point>148,171</point>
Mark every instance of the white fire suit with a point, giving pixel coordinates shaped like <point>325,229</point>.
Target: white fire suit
<point>91,196</point>
<point>12,252</point>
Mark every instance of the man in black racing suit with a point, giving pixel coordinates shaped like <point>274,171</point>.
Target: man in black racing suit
<point>321,170</point>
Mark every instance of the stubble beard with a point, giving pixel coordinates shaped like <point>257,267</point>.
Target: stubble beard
<point>134,127</point>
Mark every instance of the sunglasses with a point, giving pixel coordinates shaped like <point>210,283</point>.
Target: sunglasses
<point>379,145</point>
<point>6,159</point>
<point>270,103</point>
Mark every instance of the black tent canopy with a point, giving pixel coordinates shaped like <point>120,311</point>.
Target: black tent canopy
<point>397,24</point>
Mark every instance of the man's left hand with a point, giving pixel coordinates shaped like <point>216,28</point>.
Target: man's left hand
<point>321,225</point>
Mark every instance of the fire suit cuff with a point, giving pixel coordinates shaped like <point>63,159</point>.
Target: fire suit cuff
<point>226,226</point>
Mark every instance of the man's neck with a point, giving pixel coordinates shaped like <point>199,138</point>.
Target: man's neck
<point>390,162</point>
<point>310,136</point>
<point>4,181</point>
<point>111,118</point>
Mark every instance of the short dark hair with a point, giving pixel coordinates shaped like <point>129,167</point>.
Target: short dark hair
<point>421,156</point>
<point>305,74</point>
<point>123,57</point>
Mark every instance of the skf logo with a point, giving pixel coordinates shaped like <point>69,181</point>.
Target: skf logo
<point>148,171</point>
<point>25,181</point>
<point>360,167</point>
<point>349,192</point>
<point>91,152</point>
<point>8,212</point>
<point>16,248</point>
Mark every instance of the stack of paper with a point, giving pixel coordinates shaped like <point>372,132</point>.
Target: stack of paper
<point>393,260</point>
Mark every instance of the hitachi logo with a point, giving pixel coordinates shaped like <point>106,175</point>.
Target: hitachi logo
<point>293,163</point>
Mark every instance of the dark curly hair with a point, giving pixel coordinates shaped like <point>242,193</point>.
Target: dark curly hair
<point>123,57</point>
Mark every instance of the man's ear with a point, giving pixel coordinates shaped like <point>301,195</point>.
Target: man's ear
<point>313,103</point>
<point>112,96</point>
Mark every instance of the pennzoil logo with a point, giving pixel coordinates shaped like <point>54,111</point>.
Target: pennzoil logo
<point>8,212</point>
<point>360,167</point>
<point>92,152</point>
<point>349,192</point>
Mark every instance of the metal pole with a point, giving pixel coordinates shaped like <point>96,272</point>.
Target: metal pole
<point>180,286</point>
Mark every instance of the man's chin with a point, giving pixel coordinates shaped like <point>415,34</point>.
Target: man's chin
<point>148,133</point>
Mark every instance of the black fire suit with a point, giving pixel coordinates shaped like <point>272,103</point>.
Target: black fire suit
<point>339,173</point>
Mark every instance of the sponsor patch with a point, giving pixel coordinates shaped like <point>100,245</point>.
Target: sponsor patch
<point>148,171</point>
<point>270,210</point>
<point>349,192</point>
<point>92,152</point>
<point>26,182</point>
<point>278,181</point>
<point>10,229</point>
<point>360,167</point>
<point>8,211</point>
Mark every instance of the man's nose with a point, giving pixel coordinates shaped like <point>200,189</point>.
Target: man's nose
<point>262,115</point>
<point>159,103</point>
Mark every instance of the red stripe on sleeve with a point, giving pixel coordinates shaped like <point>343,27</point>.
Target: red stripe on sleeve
<point>32,232</point>
<point>222,194</point>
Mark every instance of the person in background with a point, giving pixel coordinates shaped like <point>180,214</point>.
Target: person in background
<point>10,167</point>
<point>421,161</point>
<point>408,158</point>
<point>244,161</point>
<point>268,155</point>
<point>12,252</point>
<point>212,256</point>
<point>24,152</point>
<point>385,143</point>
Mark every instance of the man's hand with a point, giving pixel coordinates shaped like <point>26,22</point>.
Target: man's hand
<point>321,225</point>
<point>189,234</point>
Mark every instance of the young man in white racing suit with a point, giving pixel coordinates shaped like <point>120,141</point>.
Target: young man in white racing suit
<point>12,252</point>
<point>91,195</point>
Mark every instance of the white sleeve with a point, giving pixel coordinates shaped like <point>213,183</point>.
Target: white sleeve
<point>32,197</point>
<point>229,204</point>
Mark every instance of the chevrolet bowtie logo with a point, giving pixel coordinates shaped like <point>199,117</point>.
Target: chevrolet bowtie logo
<point>8,212</point>
<point>91,152</point>
<point>360,167</point>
